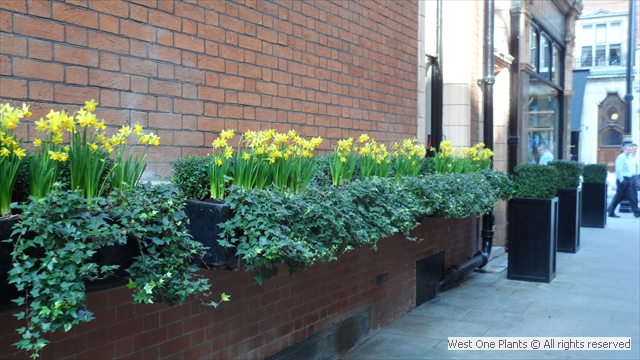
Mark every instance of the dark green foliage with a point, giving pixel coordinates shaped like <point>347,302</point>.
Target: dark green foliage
<point>501,183</point>
<point>20,192</point>
<point>164,272</point>
<point>595,173</point>
<point>568,173</point>
<point>51,268</point>
<point>428,166</point>
<point>322,176</point>
<point>460,195</point>
<point>191,178</point>
<point>273,226</point>
<point>534,181</point>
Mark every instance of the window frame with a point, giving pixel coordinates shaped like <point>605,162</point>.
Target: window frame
<point>552,43</point>
<point>596,47</point>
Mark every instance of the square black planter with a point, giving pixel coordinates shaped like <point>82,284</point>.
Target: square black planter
<point>8,291</point>
<point>594,205</point>
<point>532,234</point>
<point>204,218</point>
<point>569,204</point>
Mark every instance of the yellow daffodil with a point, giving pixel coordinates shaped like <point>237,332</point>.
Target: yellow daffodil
<point>227,134</point>
<point>137,129</point>
<point>90,105</point>
<point>41,125</point>
<point>25,110</point>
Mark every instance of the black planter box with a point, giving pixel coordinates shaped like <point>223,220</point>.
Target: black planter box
<point>569,204</point>
<point>8,291</point>
<point>594,205</point>
<point>204,218</point>
<point>532,233</point>
<point>118,254</point>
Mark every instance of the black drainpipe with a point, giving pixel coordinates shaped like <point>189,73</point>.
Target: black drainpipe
<point>437,88</point>
<point>513,140</point>
<point>481,258</point>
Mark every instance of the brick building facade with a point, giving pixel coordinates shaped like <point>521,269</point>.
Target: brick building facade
<point>189,69</point>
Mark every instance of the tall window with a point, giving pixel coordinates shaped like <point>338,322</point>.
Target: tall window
<point>545,55</point>
<point>556,71</point>
<point>533,48</point>
<point>545,59</point>
<point>602,45</point>
<point>544,111</point>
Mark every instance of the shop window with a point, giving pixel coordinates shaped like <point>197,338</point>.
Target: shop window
<point>543,119</point>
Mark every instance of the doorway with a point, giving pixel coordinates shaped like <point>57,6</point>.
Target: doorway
<point>610,129</point>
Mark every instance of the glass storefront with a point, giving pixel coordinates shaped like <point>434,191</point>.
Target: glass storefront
<point>545,94</point>
<point>542,119</point>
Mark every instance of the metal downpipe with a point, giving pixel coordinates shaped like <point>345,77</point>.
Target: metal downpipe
<point>481,258</point>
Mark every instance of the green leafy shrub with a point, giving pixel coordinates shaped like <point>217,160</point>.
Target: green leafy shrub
<point>428,166</point>
<point>165,270</point>
<point>460,195</point>
<point>190,176</point>
<point>535,181</point>
<point>51,269</point>
<point>501,183</point>
<point>568,173</point>
<point>595,173</point>
<point>273,226</point>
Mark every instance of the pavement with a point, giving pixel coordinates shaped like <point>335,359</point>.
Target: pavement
<point>595,294</point>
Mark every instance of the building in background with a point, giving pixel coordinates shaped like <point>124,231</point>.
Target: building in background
<point>533,59</point>
<point>601,58</point>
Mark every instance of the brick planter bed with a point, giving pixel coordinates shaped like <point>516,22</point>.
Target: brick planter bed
<point>260,320</point>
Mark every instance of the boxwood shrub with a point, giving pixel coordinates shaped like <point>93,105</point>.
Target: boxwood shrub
<point>595,173</point>
<point>568,173</point>
<point>534,181</point>
<point>190,176</point>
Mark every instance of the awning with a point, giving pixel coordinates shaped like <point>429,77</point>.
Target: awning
<point>579,83</point>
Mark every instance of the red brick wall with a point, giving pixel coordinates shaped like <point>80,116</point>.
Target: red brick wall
<point>259,320</point>
<point>188,69</point>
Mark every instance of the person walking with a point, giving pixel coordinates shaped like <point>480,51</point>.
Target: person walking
<point>625,172</point>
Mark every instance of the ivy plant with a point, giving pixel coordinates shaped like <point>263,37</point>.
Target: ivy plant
<point>52,267</point>
<point>165,270</point>
<point>273,226</point>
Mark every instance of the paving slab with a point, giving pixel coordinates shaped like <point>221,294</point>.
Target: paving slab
<point>596,293</point>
